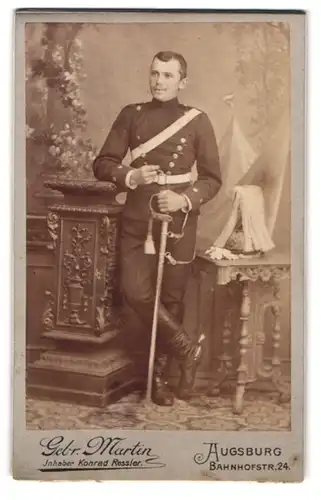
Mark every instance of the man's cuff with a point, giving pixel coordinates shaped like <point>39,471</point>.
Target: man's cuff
<point>130,184</point>
<point>189,204</point>
<point>195,195</point>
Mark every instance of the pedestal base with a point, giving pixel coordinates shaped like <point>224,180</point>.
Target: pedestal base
<point>93,378</point>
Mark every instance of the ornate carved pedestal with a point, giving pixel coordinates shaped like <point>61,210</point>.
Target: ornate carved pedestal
<point>88,365</point>
<point>258,280</point>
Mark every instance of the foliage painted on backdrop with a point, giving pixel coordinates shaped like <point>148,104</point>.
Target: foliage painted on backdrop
<point>56,116</point>
<point>263,69</point>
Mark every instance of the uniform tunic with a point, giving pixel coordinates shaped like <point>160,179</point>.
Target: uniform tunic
<point>195,142</point>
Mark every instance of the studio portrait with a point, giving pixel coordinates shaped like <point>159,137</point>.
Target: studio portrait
<point>158,200</point>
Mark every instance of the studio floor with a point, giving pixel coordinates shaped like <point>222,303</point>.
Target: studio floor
<point>262,412</point>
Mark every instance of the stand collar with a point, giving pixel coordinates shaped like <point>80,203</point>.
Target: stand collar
<point>172,103</point>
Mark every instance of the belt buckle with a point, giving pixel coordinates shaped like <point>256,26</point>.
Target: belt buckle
<point>161,178</point>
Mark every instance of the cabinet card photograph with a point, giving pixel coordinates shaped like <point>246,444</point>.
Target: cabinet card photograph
<point>159,240</point>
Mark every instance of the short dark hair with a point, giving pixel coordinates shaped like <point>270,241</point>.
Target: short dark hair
<point>168,55</point>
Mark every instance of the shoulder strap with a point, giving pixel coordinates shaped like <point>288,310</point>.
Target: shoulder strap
<point>165,134</point>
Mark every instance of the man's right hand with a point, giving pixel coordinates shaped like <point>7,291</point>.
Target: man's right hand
<point>144,175</point>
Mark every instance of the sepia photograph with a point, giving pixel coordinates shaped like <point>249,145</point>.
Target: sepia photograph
<point>158,183</point>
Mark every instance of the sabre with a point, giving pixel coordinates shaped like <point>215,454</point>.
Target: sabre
<point>165,220</point>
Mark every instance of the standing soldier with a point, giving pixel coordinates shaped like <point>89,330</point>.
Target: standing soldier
<point>165,138</point>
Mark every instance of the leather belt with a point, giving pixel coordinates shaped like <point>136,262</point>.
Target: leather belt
<point>164,179</point>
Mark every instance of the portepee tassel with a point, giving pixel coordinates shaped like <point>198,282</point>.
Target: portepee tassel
<point>149,246</point>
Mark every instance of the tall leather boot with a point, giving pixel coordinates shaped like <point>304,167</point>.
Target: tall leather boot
<point>188,373</point>
<point>175,340</point>
<point>161,393</point>
<point>189,362</point>
<point>176,310</point>
<point>187,352</point>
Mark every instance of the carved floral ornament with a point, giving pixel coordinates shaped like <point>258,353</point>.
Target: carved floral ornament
<point>53,221</point>
<point>48,315</point>
<point>263,273</point>
<point>104,315</point>
<point>77,262</point>
<point>101,322</point>
<point>104,231</point>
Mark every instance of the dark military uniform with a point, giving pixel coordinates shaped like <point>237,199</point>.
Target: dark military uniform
<point>195,142</point>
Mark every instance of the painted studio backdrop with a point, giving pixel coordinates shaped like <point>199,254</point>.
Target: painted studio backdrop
<point>79,76</point>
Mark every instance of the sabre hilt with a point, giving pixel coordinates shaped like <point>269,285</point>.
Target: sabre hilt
<point>154,215</point>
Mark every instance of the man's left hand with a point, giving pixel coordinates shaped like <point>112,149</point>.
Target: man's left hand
<point>169,201</point>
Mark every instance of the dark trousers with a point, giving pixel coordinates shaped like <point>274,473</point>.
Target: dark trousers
<point>138,275</point>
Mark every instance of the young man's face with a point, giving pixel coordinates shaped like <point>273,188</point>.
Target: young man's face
<point>165,79</point>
